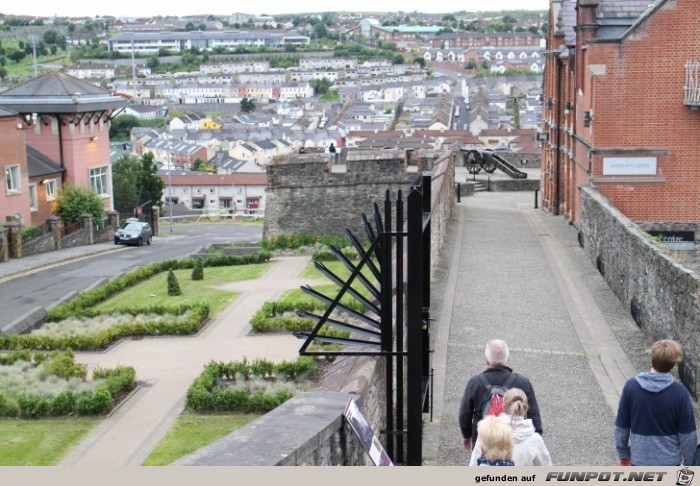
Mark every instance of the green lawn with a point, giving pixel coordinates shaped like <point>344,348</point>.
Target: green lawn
<point>41,442</point>
<point>154,291</point>
<point>191,432</point>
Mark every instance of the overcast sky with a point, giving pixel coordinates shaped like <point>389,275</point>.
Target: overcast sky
<point>149,8</point>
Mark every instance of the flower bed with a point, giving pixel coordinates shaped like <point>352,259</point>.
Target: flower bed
<point>39,384</point>
<point>186,320</point>
<point>241,386</point>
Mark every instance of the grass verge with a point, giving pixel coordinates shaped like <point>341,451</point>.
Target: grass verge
<point>43,442</point>
<point>191,432</point>
<point>154,291</point>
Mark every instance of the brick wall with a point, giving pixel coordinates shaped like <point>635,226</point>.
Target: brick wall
<point>638,110</point>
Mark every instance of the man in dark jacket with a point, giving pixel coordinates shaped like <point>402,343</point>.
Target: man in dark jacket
<point>497,373</point>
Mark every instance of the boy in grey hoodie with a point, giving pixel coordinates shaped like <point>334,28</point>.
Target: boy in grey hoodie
<point>655,424</point>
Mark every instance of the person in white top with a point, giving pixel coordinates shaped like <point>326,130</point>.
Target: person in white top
<point>529,448</point>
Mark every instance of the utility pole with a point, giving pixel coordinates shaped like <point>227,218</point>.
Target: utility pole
<point>170,190</point>
<point>36,69</point>
<point>133,77</point>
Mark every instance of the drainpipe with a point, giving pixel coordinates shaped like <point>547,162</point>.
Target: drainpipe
<point>557,159</point>
<point>60,151</point>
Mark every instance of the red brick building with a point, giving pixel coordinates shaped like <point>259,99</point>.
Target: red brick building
<point>14,193</point>
<point>66,122</point>
<point>620,107</point>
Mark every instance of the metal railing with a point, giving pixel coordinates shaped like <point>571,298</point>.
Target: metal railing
<point>405,347</point>
<point>692,83</point>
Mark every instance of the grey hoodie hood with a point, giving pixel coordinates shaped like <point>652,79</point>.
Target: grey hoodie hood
<point>654,382</point>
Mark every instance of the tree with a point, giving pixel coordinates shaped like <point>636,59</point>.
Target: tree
<point>198,270</point>
<point>199,165</point>
<point>73,201</point>
<point>50,37</point>
<point>247,105</point>
<point>149,179</point>
<point>420,61</point>
<point>15,55</point>
<point>121,127</point>
<point>320,86</point>
<point>3,73</point>
<point>125,182</point>
<point>153,62</point>
<point>173,285</point>
<point>398,59</point>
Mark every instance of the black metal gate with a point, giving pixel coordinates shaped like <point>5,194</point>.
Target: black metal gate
<point>399,260</point>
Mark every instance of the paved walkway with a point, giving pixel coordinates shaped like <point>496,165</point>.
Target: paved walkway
<point>513,272</point>
<point>168,365</point>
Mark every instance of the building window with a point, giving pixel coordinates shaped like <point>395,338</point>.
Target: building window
<point>98,181</point>
<point>197,203</point>
<point>33,201</point>
<point>224,203</point>
<point>12,178</point>
<point>50,187</point>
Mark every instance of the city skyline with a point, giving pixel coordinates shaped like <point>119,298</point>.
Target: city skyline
<point>133,8</point>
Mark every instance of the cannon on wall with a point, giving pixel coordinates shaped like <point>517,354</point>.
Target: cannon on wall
<point>477,160</point>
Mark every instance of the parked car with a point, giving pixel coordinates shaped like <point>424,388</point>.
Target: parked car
<point>134,233</point>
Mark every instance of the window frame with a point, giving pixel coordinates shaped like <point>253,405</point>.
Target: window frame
<point>33,197</point>
<point>47,184</point>
<point>16,179</point>
<point>103,177</point>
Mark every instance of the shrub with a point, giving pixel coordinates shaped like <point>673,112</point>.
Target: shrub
<point>198,270</point>
<point>206,395</point>
<point>46,394</point>
<point>173,285</point>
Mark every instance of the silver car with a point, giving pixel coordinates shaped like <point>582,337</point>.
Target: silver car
<point>134,233</point>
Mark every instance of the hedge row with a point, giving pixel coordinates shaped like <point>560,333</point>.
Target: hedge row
<point>270,317</point>
<point>298,240</point>
<point>101,400</point>
<point>103,338</point>
<point>204,395</point>
<point>92,297</point>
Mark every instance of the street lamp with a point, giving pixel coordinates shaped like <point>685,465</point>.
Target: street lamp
<point>170,190</point>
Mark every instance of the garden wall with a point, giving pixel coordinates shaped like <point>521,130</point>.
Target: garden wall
<point>662,294</point>
<point>309,429</point>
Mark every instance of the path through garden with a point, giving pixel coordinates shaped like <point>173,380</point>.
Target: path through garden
<point>167,366</point>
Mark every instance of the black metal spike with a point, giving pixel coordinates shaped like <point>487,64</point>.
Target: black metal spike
<point>339,324</point>
<point>337,340</point>
<point>361,251</point>
<point>350,311</point>
<point>351,266</point>
<point>324,270</point>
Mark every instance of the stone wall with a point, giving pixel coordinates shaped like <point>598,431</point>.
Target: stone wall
<point>307,194</point>
<point>77,238</point>
<point>663,295</point>
<point>522,159</point>
<point>38,245</point>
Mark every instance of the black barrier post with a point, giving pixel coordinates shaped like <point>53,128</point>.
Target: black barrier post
<point>536,191</point>
<point>459,192</point>
<point>489,184</point>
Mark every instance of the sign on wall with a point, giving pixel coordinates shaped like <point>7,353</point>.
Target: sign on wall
<point>675,240</point>
<point>629,165</point>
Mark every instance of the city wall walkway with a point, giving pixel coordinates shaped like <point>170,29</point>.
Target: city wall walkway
<point>516,273</point>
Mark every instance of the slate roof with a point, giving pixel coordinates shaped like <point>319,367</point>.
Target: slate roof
<point>615,17</point>
<point>39,165</point>
<point>56,92</point>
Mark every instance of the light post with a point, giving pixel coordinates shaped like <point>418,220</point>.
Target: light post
<point>170,191</point>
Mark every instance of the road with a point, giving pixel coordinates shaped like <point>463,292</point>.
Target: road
<point>44,288</point>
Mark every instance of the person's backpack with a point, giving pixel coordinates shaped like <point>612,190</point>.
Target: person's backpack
<point>493,401</point>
